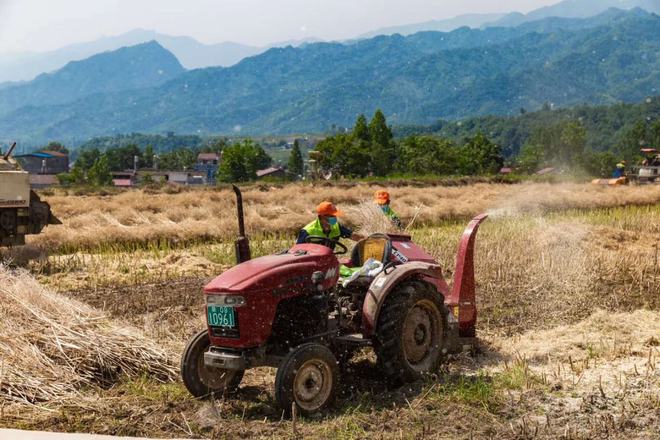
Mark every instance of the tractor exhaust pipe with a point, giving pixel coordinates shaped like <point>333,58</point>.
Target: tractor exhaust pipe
<point>463,290</point>
<point>242,243</point>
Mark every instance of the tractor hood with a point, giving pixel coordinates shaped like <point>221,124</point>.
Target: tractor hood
<point>277,271</point>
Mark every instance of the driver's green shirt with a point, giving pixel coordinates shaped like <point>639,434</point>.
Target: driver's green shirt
<point>336,232</point>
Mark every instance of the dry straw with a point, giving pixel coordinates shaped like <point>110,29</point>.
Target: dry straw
<point>138,216</point>
<point>52,346</point>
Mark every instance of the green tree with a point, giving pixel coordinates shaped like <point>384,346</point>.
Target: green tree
<point>361,130</point>
<point>57,146</point>
<point>383,152</point>
<point>633,140</point>
<point>426,155</point>
<point>241,161</point>
<point>530,159</point>
<point>654,135</point>
<point>99,173</point>
<point>598,164</point>
<point>86,158</point>
<point>296,164</point>
<point>180,159</point>
<point>75,177</point>
<point>148,157</point>
<point>344,156</point>
<point>572,142</point>
<point>121,158</point>
<point>481,156</point>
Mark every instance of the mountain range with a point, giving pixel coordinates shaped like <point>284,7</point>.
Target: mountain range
<point>416,79</point>
<point>193,54</point>
<point>129,68</point>
<point>563,9</point>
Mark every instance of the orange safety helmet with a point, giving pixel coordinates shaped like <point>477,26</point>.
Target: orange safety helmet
<point>381,197</point>
<point>328,209</point>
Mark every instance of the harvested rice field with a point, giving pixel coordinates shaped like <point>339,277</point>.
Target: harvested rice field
<point>97,312</point>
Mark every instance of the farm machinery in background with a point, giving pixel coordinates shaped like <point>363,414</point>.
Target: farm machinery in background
<point>21,210</point>
<point>289,311</point>
<point>646,173</point>
<point>649,171</point>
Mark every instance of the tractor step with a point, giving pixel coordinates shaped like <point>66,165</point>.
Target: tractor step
<point>353,339</point>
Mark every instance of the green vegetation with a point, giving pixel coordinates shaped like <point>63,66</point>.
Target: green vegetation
<point>241,161</point>
<point>618,128</point>
<point>159,143</point>
<point>93,167</point>
<point>415,80</point>
<point>296,165</point>
<point>371,150</point>
<point>548,138</point>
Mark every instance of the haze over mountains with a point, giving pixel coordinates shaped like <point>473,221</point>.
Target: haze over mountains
<point>193,54</point>
<point>564,9</point>
<point>416,79</point>
<point>129,68</point>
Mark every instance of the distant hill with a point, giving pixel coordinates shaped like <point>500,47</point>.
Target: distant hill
<point>575,9</point>
<point>191,53</point>
<point>137,67</point>
<point>448,25</point>
<point>564,9</point>
<point>415,80</point>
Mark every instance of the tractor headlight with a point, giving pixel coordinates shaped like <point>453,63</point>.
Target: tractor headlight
<point>225,300</point>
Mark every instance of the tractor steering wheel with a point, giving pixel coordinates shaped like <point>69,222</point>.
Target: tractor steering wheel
<point>329,242</point>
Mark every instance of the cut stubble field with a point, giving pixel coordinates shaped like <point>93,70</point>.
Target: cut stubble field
<point>568,287</point>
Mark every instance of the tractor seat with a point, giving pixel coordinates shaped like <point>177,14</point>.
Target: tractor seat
<point>376,246</point>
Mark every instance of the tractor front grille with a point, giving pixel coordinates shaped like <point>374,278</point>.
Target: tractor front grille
<point>224,332</point>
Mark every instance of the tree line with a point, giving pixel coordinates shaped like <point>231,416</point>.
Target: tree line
<point>369,148</point>
<point>240,161</point>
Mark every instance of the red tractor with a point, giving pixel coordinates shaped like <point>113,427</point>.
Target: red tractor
<point>288,311</point>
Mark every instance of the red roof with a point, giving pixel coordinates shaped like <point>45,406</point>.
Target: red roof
<point>122,182</point>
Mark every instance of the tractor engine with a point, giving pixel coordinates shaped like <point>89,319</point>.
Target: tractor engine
<point>281,297</point>
<point>350,300</point>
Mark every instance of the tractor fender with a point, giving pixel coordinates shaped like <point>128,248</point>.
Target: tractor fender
<point>384,283</point>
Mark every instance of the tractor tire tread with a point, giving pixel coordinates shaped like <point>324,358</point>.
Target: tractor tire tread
<point>388,343</point>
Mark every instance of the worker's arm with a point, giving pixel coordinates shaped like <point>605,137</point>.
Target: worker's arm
<point>302,236</point>
<point>348,233</point>
<point>396,220</point>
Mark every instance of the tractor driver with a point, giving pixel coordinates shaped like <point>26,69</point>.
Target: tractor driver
<point>382,199</point>
<point>327,225</point>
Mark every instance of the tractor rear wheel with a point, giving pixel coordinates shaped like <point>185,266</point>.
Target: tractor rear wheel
<point>410,334</point>
<point>203,381</point>
<point>308,377</point>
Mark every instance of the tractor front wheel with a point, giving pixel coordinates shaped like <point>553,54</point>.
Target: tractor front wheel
<point>308,377</point>
<point>410,332</point>
<point>203,381</point>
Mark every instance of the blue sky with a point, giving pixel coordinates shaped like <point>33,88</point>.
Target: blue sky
<point>41,25</point>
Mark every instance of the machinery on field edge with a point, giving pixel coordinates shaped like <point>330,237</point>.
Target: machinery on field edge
<point>21,210</point>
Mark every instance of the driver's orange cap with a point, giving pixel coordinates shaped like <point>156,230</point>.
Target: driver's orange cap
<point>328,209</point>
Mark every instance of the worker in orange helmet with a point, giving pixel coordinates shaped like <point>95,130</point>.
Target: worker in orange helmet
<point>382,199</point>
<point>326,225</point>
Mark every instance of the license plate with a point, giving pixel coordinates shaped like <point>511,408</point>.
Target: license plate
<point>220,316</point>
